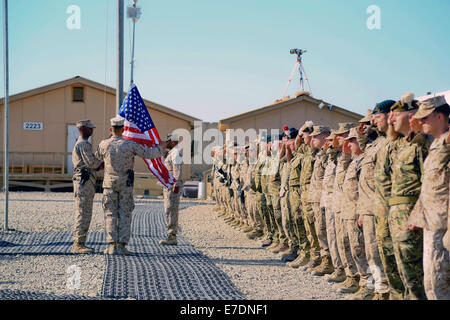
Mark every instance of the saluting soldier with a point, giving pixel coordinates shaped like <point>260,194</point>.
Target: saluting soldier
<point>84,163</point>
<point>174,163</point>
<point>118,154</point>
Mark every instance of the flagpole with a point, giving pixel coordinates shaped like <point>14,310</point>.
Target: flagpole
<point>120,41</point>
<point>6,104</point>
<point>133,13</point>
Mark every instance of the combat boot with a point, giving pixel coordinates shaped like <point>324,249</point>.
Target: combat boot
<point>248,229</point>
<point>285,250</point>
<point>273,245</point>
<point>255,234</point>
<point>112,248</point>
<point>170,241</point>
<point>234,223</point>
<point>326,267</point>
<point>337,276</point>
<point>302,259</point>
<point>280,247</point>
<point>381,296</point>
<point>350,285</point>
<point>364,293</point>
<point>79,247</point>
<point>266,243</point>
<point>311,265</point>
<point>122,249</point>
<point>290,255</point>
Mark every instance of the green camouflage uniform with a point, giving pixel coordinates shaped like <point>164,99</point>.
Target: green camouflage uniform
<point>286,215</point>
<point>406,172</point>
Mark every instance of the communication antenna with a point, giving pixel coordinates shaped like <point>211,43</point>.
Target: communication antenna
<point>301,70</point>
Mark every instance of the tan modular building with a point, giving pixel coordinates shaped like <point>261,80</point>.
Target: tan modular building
<point>291,112</point>
<point>43,132</point>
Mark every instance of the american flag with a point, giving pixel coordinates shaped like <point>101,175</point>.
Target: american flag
<point>139,127</point>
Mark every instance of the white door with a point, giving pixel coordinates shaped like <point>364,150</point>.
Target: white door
<point>72,137</point>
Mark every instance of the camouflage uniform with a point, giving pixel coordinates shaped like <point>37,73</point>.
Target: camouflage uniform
<point>343,242</point>
<point>259,195</point>
<point>315,195</point>
<point>267,189</point>
<point>286,215</point>
<point>83,158</point>
<point>349,216</point>
<point>250,198</point>
<point>327,203</point>
<point>406,169</point>
<point>174,163</point>
<point>366,189</point>
<point>431,214</point>
<point>118,204</point>
<point>273,197</point>
<point>295,201</point>
<point>307,210</point>
<point>383,186</point>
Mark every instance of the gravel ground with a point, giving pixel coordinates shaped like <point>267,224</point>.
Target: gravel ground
<point>46,212</point>
<point>258,273</point>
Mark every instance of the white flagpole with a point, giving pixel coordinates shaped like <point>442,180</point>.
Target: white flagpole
<point>119,80</point>
<point>6,135</point>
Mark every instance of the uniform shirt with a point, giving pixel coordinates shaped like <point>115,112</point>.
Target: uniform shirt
<point>83,157</point>
<point>328,178</point>
<point>366,187</point>
<point>274,174</point>
<point>382,176</point>
<point>350,188</point>
<point>407,165</point>
<point>307,166</point>
<point>296,167</point>
<point>315,188</point>
<point>343,161</point>
<point>284,176</point>
<point>431,211</point>
<point>174,163</point>
<point>118,155</point>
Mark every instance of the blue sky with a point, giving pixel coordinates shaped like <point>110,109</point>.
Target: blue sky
<point>216,58</point>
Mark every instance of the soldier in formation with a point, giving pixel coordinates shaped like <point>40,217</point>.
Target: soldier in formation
<point>365,205</point>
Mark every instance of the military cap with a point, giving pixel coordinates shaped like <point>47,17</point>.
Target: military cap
<point>383,107</point>
<point>331,136</point>
<point>428,106</point>
<point>117,121</point>
<point>308,126</point>
<point>319,130</point>
<point>172,137</point>
<point>406,103</point>
<point>344,127</point>
<point>293,132</point>
<point>85,123</point>
<point>352,134</point>
<point>367,118</point>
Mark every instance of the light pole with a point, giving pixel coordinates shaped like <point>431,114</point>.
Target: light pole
<point>119,80</point>
<point>6,104</point>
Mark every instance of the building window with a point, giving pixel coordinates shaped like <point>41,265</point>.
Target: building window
<point>78,94</point>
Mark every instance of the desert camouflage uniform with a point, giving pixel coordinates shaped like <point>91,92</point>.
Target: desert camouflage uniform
<point>174,163</point>
<point>315,196</point>
<point>343,242</point>
<point>327,203</point>
<point>350,217</point>
<point>286,215</point>
<point>118,204</point>
<point>366,189</point>
<point>273,196</point>
<point>259,195</point>
<point>431,214</point>
<point>250,198</point>
<point>407,168</point>
<point>269,215</point>
<point>83,158</point>
<point>307,210</point>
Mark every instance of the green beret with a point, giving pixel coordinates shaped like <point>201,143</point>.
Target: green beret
<point>383,106</point>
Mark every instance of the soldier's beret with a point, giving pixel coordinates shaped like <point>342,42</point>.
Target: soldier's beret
<point>406,103</point>
<point>383,107</point>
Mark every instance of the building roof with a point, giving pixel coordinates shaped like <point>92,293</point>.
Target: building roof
<point>280,104</point>
<point>446,94</point>
<point>80,80</point>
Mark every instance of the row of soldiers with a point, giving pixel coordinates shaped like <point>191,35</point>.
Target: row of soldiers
<point>365,205</point>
